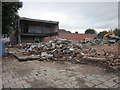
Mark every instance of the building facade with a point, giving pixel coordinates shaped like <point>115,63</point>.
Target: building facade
<point>34,30</point>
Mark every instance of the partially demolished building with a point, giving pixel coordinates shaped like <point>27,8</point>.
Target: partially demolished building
<point>34,30</point>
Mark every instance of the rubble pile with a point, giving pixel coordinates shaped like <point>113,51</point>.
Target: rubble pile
<point>63,49</point>
<point>94,42</point>
<point>113,61</point>
<point>57,49</point>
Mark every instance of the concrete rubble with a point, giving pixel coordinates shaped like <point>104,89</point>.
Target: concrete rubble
<point>63,49</point>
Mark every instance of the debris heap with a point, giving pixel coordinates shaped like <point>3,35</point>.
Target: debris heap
<point>57,49</point>
<point>64,49</point>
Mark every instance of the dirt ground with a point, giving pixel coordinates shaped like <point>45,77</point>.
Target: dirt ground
<point>112,48</point>
<point>57,74</point>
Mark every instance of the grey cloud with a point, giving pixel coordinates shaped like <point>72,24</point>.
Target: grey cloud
<point>81,15</point>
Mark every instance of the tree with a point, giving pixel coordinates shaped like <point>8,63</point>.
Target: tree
<point>10,16</point>
<point>90,31</point>
<point>101,34</point>
<point>68,31</point>
<point>76,32</point>
<point>117,32</point>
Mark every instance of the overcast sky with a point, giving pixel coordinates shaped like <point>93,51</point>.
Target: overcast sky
<point>74,16</point>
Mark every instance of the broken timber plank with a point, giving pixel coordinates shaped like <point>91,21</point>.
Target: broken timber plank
<point>22,57</point>
<point>94,58</point>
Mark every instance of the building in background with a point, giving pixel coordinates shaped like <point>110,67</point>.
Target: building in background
<point>34,30</point>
